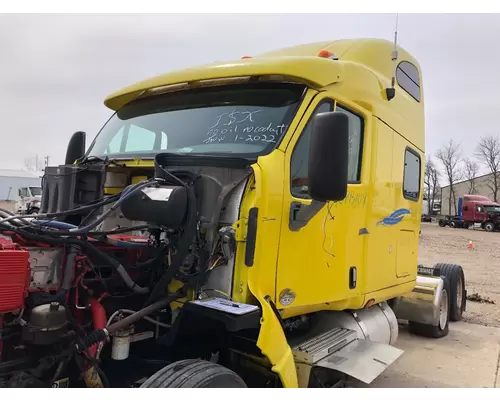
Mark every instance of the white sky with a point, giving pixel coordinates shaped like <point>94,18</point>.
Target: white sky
<point>55,70</point>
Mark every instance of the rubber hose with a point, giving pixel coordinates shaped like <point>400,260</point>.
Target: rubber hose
<point>113,207</point>
<point>133,318</point>
<point>155,259</point>
<point>182,249</point>
<point>54,224</point>
<point>126,245</point>
<point>97,254</point>
<point>68,212</point>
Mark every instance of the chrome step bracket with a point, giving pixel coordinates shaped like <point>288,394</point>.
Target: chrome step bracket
<point>340,349</point>
<point>318,347</point>
<point>362,359</point>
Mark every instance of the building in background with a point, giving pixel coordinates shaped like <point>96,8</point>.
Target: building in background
<point>13,180</point>
<point>478,186</point>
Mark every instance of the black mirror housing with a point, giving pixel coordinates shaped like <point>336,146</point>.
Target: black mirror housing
<point>76,147</point>
<point>328,157</point>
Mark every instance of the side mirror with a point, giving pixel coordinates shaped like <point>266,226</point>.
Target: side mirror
<point>328,157</point>
<point>76,147</point>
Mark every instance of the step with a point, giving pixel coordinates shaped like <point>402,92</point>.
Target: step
<point>313,350</point>
<point>339,349</point>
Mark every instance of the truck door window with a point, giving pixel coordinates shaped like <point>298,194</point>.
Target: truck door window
<point>411,175</point>
<point>23,192</point>
<point>466,208</point>
<point>355,144</point>
<point>300,156</point>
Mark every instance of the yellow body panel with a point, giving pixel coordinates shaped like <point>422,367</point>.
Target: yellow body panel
<point>314,263</point>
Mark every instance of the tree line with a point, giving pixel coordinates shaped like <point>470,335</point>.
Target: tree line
<point>457,168</point>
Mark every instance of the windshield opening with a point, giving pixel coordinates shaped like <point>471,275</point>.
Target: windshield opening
<point>492,208</point>
<point>238,119</point>
<point>36,191</point>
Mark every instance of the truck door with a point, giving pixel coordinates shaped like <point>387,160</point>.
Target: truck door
<point>479,213</point>
<point>320,262</point>
<point>22,198</point>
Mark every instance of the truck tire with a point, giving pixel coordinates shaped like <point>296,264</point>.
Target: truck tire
<point>458,294</point>
<point>194,374</point>
<point>442,328</point>
<point>465,225</point>
<point>489,226</point>
<point>34,211</point>
<point>442,223</point>
<point>453,224</point>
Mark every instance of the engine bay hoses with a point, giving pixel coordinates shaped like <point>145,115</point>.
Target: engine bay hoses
<point>123,197</point>
<point>92,251</point>
<point>183,246</point>
<point>64,213</point>
<point>99,335</point>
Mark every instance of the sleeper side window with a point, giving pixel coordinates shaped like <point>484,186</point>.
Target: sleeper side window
<point>411,175</point>
<point>408,79</point>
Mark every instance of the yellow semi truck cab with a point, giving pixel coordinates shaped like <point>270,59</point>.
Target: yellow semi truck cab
<point>307,167</point>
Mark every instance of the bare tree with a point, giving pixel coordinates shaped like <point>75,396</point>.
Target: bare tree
<point>450,156</point>
<point>488,151</point>
<point>431,182</point>
<point>471,170</point>
<point>34,164</point>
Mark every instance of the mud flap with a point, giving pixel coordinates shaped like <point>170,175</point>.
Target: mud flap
<point>361,359</point>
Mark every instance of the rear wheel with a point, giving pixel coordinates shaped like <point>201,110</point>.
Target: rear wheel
<point>441,223</point>
<point>194,374</point>
<point>442,328</point>
<point>453,224</point>
<point>458,294</point>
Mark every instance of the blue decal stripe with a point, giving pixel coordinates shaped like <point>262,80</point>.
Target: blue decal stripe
<point>395,217</point>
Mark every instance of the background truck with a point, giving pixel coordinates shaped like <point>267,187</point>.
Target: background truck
<point>28,199</point>
<point>474,210</point>
<point>233,225</point>
<point>426,211</point>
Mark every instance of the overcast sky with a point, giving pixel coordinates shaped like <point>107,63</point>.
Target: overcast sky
<point>55,71</point>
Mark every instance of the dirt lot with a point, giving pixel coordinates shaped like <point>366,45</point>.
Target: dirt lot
<point>481,265</point>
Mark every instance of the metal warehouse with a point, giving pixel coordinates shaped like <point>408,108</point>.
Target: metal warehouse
<point>11,180</point>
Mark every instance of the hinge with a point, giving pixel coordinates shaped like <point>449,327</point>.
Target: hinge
<point>240,229</point>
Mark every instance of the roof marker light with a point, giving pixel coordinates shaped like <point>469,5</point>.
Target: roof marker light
<point>245,57</point>
<point>327,54</point>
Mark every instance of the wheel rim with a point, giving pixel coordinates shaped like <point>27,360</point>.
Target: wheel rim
<point>489,227</point>
<point>460,293</point>
<point>443,310</point>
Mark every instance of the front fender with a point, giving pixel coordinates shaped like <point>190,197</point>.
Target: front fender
<point>273,344</point>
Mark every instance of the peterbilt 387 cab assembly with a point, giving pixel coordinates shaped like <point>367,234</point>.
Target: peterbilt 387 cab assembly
<point>240,224</point>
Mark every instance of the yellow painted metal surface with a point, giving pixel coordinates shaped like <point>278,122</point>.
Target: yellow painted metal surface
<point>314,262</point>
<point>316,72</point>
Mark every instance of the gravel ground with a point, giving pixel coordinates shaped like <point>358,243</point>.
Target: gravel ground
<point>481,265</point>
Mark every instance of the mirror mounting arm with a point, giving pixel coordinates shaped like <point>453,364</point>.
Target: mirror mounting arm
<point>301,214</point>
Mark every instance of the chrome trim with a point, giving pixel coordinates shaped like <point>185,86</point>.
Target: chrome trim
<point>423,303</point>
